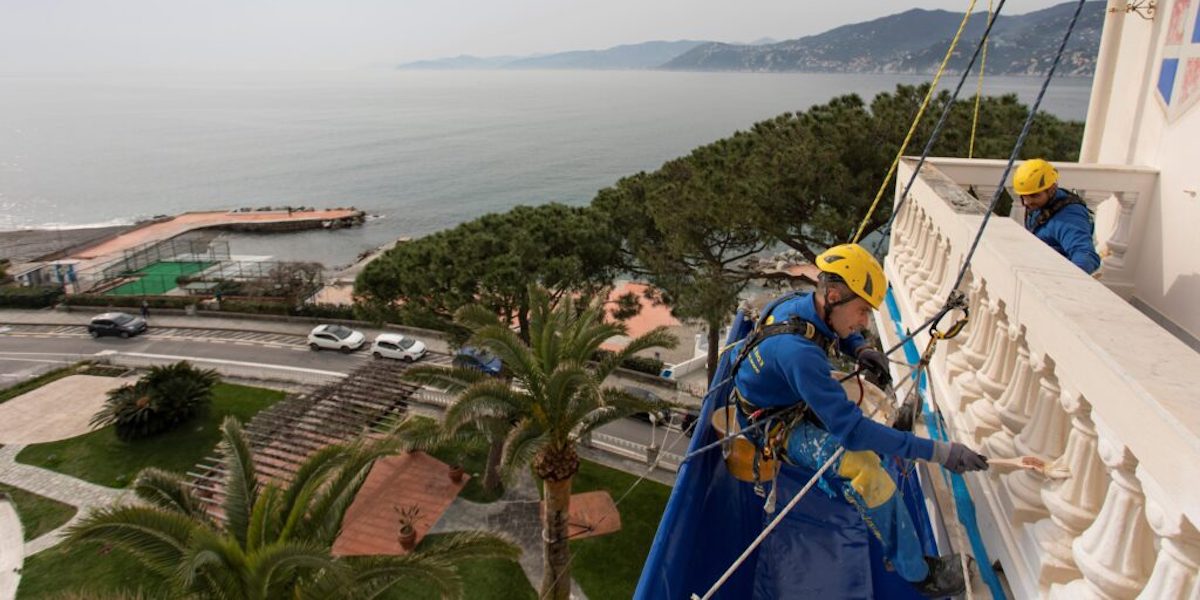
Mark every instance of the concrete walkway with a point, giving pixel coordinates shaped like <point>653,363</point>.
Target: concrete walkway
<point>56,486</point>
<point>515,515</point>
<point>59,410</point>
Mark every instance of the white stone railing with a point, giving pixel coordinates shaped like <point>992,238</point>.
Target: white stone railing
<point>1056,365</point>
<point>1119,196</point>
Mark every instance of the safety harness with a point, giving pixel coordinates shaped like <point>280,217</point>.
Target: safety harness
<point>771,440</point>
<point>1056,204</point>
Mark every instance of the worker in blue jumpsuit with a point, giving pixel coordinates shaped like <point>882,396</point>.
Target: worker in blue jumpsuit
<point>784,370</point>
<point>1059,218</point>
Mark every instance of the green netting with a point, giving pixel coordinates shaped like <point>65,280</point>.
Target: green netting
<point>158,278</point>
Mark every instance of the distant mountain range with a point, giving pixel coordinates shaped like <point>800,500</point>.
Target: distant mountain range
<point>913,41</point>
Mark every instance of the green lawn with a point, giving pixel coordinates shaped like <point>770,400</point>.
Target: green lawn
<point>483,579</point>
<point>99,457</point>
<point>84,567</point>
<point>44,576</point>
<point>38,513</point>
<point>608,566</point>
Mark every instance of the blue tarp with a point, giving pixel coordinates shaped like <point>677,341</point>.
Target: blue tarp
<point>821,550</point>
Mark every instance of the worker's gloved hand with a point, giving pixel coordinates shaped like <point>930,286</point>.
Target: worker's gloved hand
<point>958,457</point>
<point>876,364</point>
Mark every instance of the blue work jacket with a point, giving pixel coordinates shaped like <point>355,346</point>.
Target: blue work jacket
<point>787,368</point>
<point>1069,232</point>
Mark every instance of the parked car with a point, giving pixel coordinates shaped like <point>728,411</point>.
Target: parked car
<point>336,337</point>
<point>683,418</point>
<point>470,357</point>
<point>116,323</point>
<point>661,417</point>
<point>399,347</point>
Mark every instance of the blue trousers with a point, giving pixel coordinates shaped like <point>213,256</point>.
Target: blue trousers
<point>863,482</point>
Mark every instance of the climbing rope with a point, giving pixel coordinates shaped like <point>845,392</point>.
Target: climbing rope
<point>937,129</point>
<point>955,299</point>
<point>979,86</point>
<point>912,129</point>
<point>1016,151</point>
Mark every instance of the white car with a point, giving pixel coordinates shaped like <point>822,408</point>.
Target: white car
<point>336,337</point>
<point>399,347</point>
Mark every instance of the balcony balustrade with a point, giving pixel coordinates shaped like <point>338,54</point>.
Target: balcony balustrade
<point>1057,364</point>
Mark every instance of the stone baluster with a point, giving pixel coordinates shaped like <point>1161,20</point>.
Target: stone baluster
<point>1116,553</point>
<point>991,379</point>
<point>914,236</point>
<point>976,353</point>
<point>903,230</point>
<point>910,263</point>
<point>1015,406</point>
<point>1118,244</point>
<point>922,261</point>
<point>926,294</point>
<point>1045,436</point>
<point>983,417</point>
<point>956,358</point>
<point>1176,573</point>
<point>1074,502</point>
<point>945,277</point>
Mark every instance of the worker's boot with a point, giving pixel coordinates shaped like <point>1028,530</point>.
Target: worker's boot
<point>945,577</point>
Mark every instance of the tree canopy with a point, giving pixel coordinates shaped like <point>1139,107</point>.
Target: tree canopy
<point>493,260</point>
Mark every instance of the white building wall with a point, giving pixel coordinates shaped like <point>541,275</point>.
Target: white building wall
<point>1130,124</point>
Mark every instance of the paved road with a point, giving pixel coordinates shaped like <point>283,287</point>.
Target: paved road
<point>26,350</point>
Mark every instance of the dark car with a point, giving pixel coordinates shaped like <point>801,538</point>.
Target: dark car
<point>470,357</point>
<point>116,323</point>
<point>679,417</point>
<point>661,417</point>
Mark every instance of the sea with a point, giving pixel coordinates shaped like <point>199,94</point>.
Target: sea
<point>419,151</point>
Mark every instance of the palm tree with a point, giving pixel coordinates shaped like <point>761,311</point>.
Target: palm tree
<point>275,541</point>
<point>162,399</point>
<point>556,397</point>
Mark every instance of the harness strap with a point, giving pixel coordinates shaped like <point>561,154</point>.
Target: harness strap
<point>1052,208</point>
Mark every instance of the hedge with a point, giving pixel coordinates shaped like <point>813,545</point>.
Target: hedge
<point>641,364</point>
<point>29,297</point>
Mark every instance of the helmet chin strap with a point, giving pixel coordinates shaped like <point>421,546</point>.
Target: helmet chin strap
<point>829,306</point>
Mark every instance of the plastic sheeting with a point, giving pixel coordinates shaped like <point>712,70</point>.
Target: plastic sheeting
<point>821,549</point>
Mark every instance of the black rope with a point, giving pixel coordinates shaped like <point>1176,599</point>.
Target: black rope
<point>1017,148</point>
<point>937,130</point>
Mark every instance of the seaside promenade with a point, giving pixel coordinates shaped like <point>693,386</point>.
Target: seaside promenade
<point>252,220</point>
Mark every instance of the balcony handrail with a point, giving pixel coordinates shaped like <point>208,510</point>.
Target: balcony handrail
<point>1141,381</point>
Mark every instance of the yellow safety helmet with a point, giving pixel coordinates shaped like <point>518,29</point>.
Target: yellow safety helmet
<point>1034,176</point>
<point>858,269</point>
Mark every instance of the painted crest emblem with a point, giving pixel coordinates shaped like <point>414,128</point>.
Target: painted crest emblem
<point>1179,70</point>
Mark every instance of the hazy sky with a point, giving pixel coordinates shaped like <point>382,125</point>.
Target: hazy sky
<point>42,35</point>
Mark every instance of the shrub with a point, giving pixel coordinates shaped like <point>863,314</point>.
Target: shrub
<point>29,297</point>
<point>127,301</point>
<point>641,364</point>
<point>163,399</point>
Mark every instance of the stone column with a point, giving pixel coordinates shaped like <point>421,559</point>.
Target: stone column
<point>1016,404</point>
<point>1176,573</point>
<point>1116,553</point>
<point>1074,502</point>
<point>1046,437</point>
